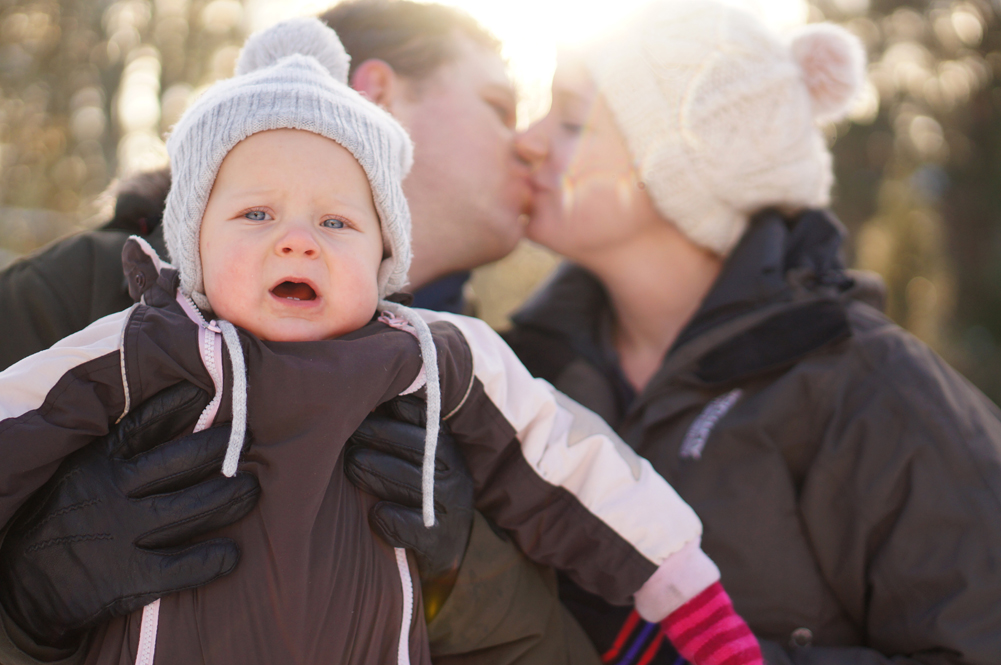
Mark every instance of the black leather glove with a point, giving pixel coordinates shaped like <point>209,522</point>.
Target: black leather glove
<point>111,531</point>
<point>384,458</point>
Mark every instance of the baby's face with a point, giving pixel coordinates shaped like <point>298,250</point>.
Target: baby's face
<point>290,240</point>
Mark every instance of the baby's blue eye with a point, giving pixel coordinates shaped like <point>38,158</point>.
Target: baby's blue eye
<point>256,215</point>
<point>333,223</point>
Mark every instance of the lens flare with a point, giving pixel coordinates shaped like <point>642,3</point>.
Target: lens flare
<point>530,30</point>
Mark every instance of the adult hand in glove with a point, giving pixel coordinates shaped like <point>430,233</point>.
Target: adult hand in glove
<point>111,531</point>
<point>384,458</point>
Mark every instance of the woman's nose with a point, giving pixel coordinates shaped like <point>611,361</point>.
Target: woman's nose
<point>298,242</point>
<point>532,145</point>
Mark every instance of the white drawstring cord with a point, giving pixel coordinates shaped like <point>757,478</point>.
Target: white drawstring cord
<point>430,357</point>
<point>239,425</point>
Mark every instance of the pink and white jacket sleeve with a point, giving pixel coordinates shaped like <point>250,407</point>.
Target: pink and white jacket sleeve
<point>569,490</point>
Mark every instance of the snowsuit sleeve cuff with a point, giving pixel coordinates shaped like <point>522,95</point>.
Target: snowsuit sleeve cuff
<point>681,577</point>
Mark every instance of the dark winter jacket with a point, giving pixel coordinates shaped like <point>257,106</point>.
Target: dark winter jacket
<point>849,481</point>
<point>74,282</point>
<point>316,584</point>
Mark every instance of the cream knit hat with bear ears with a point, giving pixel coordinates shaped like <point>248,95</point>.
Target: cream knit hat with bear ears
<point>292,75</point>
<point>721,115</point>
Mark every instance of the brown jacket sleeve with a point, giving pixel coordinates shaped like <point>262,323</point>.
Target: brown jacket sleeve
<point>901,506</point>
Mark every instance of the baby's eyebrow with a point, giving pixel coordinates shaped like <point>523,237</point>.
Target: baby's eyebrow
<point>250,192</point>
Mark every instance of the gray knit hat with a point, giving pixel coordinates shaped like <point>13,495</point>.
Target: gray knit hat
<point>290,76</point>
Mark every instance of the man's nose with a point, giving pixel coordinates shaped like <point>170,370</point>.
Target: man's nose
<point>297,242</point>
<point>532,145</point>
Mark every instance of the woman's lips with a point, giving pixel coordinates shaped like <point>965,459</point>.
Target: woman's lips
<point>539,187</point>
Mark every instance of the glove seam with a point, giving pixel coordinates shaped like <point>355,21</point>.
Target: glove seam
<point>37,503</point>
<point>82,625</point>
<point>165,479</point>
<point>151,532</point>
<point>45,544</point>
<point>417,453</point>
<point>147,424</point>
<point>439,509</point>
<point>59,513</point>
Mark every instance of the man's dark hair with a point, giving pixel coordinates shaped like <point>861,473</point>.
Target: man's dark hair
<point>139,201</point>
<point>415,39</point>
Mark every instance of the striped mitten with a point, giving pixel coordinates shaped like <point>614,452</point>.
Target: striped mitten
<point>707,631</point>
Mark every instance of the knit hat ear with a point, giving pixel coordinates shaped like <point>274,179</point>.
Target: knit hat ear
<point>832,61</point>
<point>299,36</point>
<point>719,112</point>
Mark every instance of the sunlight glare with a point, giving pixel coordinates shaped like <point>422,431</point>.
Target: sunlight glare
<point>531,30</point>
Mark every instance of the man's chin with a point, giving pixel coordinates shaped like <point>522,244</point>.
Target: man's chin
<point>508,232</point>
<point>540,230</point>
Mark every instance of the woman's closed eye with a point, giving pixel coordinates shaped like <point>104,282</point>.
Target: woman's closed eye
<point>505,112</point>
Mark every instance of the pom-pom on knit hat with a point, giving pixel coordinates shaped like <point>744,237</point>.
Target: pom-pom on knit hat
<point>290,76</point>
<point>721,115</point>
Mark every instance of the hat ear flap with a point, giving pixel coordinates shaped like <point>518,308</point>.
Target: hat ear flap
<point>832,61</point>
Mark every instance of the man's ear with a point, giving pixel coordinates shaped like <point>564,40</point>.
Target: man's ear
<point>377,81</point>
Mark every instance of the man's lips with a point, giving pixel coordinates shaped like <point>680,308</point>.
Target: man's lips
<point>540,185</point>
<point>294,290</point>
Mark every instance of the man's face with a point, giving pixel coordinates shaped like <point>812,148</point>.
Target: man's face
<point>468,189</point>
<point>290,240</point>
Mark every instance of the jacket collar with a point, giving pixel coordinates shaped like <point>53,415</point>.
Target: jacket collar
<point>794,262</point>
<point>776,258</point>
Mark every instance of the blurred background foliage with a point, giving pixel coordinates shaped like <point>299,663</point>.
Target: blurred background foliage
<point>88,88</point>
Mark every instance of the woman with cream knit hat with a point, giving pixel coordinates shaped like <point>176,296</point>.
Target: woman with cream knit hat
<point>848,479</point>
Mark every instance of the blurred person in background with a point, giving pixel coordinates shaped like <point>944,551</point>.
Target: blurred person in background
<point>439,73</point>
<point>849,481</point>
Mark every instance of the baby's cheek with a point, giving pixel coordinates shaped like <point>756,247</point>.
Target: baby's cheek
<point>358,296</point>
<point>228,285</point>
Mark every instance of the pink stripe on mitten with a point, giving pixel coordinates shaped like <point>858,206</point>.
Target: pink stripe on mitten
<point>707,631</point>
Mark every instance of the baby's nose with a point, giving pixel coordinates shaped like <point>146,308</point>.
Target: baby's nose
<point>298,243</point>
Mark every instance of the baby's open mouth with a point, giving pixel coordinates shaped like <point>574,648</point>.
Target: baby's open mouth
<point>294,291</point>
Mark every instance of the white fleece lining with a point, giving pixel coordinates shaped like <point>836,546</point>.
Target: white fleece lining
<point>148,250</point>
<point>684,575</point>
<point>572,448</point>
<point>403,653</point>
<point>121,355</point>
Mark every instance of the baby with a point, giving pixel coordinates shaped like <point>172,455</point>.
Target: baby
<point>289,229</point>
